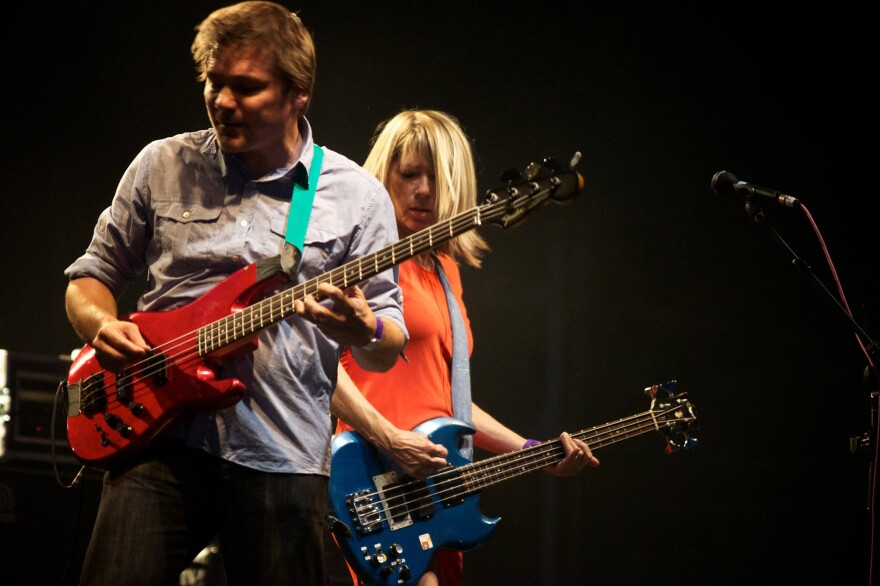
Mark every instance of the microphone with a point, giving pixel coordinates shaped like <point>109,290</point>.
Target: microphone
<point>726,183</point>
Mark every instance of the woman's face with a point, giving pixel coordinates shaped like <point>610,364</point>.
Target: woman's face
<point>412,186</point>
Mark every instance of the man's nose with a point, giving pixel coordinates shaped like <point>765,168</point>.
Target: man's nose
<point>225,99</point>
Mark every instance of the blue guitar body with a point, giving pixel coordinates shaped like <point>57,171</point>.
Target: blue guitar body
<point>388,525</point>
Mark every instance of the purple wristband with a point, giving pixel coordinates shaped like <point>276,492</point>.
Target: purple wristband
<point>530,442</point>
<point>376,336</point>
<point>379,327</point>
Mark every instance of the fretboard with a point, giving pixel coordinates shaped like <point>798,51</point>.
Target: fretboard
<point>474,477</point>
<point>255,317</point>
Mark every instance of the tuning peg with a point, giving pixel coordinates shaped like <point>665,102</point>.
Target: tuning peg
<point>511,175</point>
<point>575,160</point>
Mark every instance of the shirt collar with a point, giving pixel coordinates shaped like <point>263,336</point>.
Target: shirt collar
<point>298,172</point>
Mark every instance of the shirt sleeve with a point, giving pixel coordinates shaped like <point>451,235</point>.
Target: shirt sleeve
<point>379,230</point>
<point>116,254</point>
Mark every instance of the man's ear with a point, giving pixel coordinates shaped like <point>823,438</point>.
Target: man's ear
<point>300,100</point>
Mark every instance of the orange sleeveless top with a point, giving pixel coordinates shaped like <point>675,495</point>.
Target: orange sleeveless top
<point>412,392</point>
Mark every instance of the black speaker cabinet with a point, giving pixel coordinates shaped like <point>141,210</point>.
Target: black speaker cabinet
<point>28,388</point>
<point>44,527</point>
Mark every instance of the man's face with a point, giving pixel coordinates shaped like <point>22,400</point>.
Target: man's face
<point>250,109</point>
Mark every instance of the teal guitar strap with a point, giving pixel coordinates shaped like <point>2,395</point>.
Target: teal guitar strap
<point>298,217</point>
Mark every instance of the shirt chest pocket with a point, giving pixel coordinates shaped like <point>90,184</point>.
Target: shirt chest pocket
<point>190,233</point>
<point>324,250</point>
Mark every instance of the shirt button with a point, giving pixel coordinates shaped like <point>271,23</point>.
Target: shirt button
<point>244,223</point>
<point>185,215</point>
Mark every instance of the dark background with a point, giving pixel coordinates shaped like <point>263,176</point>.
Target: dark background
<point>647,276</point>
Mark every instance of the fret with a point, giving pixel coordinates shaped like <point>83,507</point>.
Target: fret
<point>245,321</point>
<point>269,305</point>
<point>482,477</point>
<point>209,340</point>
<point>285,299</point>
<point>260,310</point>
<point>487,477</point>
<point>212,334</point>
<point>265,311</point>
<point>467,482</point>
<point>477,477</point>
<point>237,326</point>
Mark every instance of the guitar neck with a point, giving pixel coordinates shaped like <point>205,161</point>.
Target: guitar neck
<point>242,324</point>
<point>505,208</point>
<point>478,475</point>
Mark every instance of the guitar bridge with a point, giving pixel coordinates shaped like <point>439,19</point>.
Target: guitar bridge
<point>86,396</point>
<point>392,504</point>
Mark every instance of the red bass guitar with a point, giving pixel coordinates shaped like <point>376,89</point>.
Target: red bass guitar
<point>113,415</point>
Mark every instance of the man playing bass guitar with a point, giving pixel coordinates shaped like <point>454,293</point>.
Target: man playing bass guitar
<point>209,412</point>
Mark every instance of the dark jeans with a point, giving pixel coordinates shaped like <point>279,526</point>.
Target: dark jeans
<point>158,513</point>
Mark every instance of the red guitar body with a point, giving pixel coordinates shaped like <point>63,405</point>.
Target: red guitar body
<point>112,415</point>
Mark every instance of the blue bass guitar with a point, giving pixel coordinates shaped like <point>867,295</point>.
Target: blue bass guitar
<point>388,525</point>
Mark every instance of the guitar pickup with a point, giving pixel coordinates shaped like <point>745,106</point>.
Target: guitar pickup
<point>393,496</point>
<point>156,367</point>
<point>424,505</point>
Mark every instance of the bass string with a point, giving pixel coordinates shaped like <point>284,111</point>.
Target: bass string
<point>454,484</point>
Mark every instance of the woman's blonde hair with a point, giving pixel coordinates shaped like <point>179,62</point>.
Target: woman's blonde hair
<point>437,137</point>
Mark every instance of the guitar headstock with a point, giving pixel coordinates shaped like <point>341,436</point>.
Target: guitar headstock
<point>674,416</point>
<point>537,184</point>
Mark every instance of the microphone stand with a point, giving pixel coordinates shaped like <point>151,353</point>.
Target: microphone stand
<point>866,440</point>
